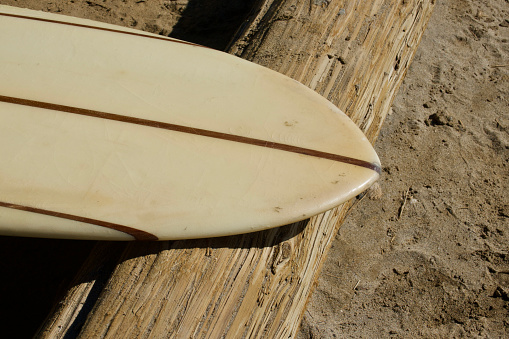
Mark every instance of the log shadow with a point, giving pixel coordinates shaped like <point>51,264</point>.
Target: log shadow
<point>35,271</point>
<point>212,23</point>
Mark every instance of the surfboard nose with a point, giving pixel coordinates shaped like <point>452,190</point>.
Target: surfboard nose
<point>206,145</point>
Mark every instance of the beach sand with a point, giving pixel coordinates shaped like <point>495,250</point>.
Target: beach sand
<point>430,257</point>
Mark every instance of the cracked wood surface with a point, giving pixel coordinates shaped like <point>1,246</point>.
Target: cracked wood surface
<point>356,54</point>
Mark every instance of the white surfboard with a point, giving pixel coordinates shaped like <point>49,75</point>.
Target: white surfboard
<point>113,133</point>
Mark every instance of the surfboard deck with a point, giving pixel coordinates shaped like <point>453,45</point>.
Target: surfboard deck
<point>110,133</point>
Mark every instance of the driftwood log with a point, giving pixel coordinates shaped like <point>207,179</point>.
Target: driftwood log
<point>356,54</point>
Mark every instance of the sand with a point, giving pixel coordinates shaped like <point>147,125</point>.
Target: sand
<point>428,256</point>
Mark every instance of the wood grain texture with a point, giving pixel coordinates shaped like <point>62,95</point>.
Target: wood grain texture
<point>256,285</point>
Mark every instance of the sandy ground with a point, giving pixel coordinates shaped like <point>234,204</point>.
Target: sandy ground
<point>430,257</point>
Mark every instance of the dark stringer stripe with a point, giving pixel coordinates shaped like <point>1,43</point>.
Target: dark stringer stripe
<point>136,233</point>
<point>191,130</point>
<point>140,34</point>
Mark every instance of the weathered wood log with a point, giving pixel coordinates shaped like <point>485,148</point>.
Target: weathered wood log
<point>356,54</point>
